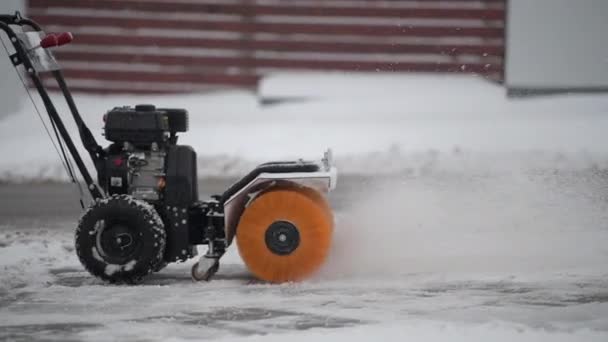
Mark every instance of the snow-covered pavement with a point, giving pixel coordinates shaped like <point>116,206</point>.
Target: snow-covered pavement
<point>58,301</point>
<point>435,257</point>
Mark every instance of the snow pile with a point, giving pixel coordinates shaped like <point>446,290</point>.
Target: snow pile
<point>375,124</point>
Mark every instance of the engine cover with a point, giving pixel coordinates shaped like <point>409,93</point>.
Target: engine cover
<point>141,125</point>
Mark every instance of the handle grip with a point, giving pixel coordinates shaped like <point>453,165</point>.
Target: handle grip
<point>52,39</point>
<point>64,38</point>
<point>49,41</point>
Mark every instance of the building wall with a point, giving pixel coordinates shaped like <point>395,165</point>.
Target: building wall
<point>165,46</point>
<point>557,44</point>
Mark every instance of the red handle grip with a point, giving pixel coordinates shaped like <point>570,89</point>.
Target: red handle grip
<point>52,40</point>
<point>64,38</point>
<point>49,41</point>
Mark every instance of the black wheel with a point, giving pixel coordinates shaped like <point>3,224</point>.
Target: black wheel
<point>178,119</point>
<point>206,275</point>
<point>121,239</point>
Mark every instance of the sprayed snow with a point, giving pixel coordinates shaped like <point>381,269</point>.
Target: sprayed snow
<point>111,269</point>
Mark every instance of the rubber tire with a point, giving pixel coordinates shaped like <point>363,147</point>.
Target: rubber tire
<point>134,213</point>
<point>308,211</point>
<point>207,275</point>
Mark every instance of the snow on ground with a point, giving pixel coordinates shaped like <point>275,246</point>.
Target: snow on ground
<point>431,257</point>
<point>375,124</point>
<point>462,294</point>
<point>479,218</point>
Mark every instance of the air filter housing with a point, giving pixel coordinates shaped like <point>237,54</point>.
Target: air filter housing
<point>143,124</point>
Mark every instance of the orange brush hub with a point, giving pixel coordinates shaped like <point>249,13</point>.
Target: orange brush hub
<point>285,234</point>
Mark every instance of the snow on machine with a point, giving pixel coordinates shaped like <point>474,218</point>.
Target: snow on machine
<point>146,210</point>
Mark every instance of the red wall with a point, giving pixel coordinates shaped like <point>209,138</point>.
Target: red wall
<point>154,46</point>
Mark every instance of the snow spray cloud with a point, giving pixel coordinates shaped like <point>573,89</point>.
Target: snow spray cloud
<point>486,220</point>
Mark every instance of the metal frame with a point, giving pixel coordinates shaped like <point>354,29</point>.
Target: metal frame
<point>322,181</point>
<point>20,57</point>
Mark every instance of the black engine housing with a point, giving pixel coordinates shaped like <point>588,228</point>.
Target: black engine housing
<point>145,162</point>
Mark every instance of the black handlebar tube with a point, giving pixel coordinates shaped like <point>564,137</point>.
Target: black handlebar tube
<point>88,140</point>
<point>22,57</point>
<point>95,151</point>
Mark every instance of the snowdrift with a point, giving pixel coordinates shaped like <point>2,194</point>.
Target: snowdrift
<point>376,124</point>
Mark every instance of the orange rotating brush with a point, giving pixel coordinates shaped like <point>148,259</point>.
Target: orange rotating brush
<point>285,234</point>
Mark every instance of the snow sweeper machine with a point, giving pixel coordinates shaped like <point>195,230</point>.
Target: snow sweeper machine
<point>145,210</point>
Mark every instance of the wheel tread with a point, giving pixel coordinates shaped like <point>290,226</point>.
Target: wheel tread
<point>157,232</point>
